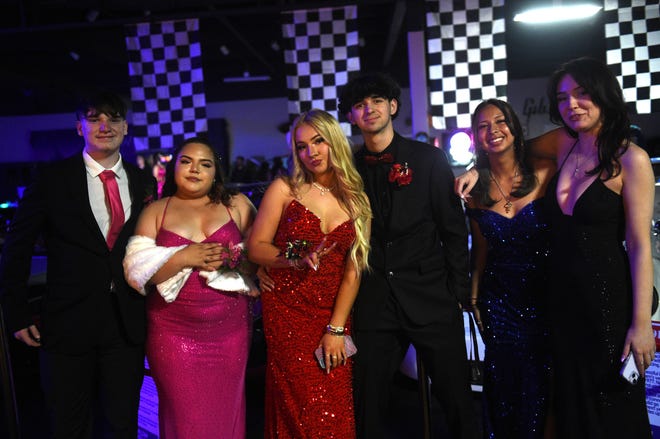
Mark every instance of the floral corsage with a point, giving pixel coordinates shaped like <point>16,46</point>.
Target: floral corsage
<point>293,251</point>
<point>401,174</point>
<point>233,257</point>
<point>232,276</point>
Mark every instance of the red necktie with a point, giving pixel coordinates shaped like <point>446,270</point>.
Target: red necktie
<point>113,201</point>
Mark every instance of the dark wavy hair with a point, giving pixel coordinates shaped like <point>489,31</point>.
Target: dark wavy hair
<point>601,84</point>
<point>218,193</point>
<point>366,85</point>
<point>528,179</point>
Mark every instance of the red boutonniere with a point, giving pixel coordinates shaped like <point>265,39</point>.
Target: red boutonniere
<point>401,174</point>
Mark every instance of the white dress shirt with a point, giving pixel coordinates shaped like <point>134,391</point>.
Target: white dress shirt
<point>97,194</point>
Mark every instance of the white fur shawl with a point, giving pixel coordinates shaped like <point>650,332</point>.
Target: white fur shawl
<point>144,258</point>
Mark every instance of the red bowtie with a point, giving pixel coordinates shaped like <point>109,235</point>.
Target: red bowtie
<point>371,159</point>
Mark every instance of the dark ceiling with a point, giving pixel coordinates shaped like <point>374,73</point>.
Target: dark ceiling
<point>52,49</point>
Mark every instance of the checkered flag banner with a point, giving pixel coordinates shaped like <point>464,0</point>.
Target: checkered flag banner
<point>167,82</point>
<point>466,58</point>
<point>632,37</point>
<point>320,49</point>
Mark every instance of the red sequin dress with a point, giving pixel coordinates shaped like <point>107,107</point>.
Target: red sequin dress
<point>302,401</point>
<point>197,348</point>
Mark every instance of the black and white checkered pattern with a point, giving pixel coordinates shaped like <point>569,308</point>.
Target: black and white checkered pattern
<point>467,58</point>
<point>321,48</point>
<point>167,82</point>
<point>632,33</point>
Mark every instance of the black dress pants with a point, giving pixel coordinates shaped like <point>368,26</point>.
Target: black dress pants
<point>380,353</point>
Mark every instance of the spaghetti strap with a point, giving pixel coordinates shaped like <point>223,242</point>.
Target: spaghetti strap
<point>229,212</point>
<point>566,158</point>
<point>162,220</point>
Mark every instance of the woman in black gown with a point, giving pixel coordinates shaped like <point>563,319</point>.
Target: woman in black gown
<point>600,287</point>
<point>509,251</point>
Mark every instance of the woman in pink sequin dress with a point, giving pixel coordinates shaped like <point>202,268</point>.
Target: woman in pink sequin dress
<point>197,345</point>
<point>312,235</point>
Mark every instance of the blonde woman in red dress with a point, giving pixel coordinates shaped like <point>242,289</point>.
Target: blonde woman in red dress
<point>312,235</point>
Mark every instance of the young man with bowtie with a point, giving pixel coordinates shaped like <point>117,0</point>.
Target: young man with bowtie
<point>419,260</point>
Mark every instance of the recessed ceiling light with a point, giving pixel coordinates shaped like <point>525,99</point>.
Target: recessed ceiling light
<point>555,14</point>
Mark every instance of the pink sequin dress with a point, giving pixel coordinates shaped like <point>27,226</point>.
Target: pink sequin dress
<point>302,401</point>
<point>197,348</point>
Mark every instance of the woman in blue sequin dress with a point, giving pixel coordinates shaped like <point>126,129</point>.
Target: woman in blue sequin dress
<point>509,252</point>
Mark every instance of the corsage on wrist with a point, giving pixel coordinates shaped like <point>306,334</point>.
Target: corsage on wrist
<point>293,252</point>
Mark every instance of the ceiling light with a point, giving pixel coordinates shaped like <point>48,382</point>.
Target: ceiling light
<point>224,50</point>
<point>557,13</point>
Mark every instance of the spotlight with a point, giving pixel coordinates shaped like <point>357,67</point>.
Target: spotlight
<point>74,55</point>
<point>459,147</point>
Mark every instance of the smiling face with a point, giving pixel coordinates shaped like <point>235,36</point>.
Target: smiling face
<point>194,170</point>
<point>493,135</point>
<point>373,114</point>
<point>577,109</point>
<point>103,134</point>
<point>312,150</point>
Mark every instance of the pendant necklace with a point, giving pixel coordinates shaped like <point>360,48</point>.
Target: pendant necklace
<point>322,188</point>
<point>577,164</point>
<point>577,159</point>
<point>508,204</point>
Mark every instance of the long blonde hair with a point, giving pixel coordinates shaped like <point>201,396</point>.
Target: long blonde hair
<point>350,187</point>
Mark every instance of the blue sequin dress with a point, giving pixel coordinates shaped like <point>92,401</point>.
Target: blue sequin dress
<point>511,301</point>
<point>589,314</point>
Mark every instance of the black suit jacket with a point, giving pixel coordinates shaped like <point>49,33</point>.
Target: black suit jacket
<point>80,266</point>
<point>419,254</point>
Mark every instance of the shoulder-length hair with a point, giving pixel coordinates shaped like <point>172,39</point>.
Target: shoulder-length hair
<point>218,193</point>
<point>350,187</point>
<point>602,86</point>
<point>528,179</point>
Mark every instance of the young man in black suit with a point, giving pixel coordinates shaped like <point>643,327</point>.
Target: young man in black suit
<point>92,324</point>
<point>419,257</point>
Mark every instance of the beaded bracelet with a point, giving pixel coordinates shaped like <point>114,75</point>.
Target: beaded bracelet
<point>334,330</point>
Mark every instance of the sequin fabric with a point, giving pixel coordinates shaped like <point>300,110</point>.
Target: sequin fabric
<point>197,348</point>
<point>511,300</point>
<point>302,401</point>
<point>590,310</point>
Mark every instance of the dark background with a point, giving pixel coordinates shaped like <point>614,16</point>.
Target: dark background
<point>39,40</point>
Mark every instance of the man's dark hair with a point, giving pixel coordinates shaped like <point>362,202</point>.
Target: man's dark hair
<point>103,102</point>
<point>368,85</point>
